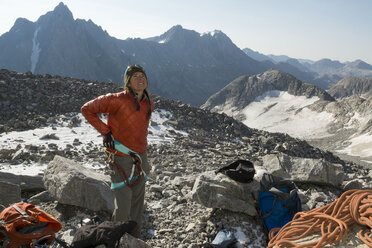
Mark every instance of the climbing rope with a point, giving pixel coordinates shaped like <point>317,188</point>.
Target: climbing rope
<point>333,222</point>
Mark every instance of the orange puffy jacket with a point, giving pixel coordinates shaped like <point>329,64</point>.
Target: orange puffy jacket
<point>128,126</point>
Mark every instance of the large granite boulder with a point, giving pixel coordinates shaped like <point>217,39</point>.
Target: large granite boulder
<point>219,191</point>
<point>308,170</point>
<point>73,184</point>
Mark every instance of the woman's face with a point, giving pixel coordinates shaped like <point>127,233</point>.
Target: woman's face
<point>138,82</point>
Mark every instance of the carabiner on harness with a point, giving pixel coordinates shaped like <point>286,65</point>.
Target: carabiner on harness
<point>137,162</point>
<point>110,156</point>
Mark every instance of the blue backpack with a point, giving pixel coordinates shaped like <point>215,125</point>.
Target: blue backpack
<point>278,201</point>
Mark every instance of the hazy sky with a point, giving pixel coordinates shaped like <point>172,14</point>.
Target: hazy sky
<point>308,29</point>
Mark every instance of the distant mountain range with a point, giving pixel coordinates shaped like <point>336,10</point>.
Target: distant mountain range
<point>325,72</point>
<point>181,64</point>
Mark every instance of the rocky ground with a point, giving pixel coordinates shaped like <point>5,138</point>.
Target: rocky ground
<point>172,219</point>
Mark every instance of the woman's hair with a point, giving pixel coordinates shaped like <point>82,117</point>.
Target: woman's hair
<point>127,76</point>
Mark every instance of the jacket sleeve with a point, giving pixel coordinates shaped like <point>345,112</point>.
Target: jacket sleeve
<point>91,109</point>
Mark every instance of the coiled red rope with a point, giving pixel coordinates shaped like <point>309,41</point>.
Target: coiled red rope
<point>332,222</point>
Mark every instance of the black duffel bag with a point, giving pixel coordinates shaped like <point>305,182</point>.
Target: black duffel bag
<point>241,171</point>
<point>107,233</point>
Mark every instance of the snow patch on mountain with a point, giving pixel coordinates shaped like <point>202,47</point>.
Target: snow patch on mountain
<point>279,111</point>
<point>35,51</point>
<point>356,118</point>
<point>361,145</point>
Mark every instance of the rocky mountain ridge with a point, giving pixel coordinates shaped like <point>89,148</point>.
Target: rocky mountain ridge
<point>56,43</point>
<point>245,89</point>
<point>352,86</point>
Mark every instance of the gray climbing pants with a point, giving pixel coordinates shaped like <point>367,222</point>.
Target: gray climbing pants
<point>129,201</point>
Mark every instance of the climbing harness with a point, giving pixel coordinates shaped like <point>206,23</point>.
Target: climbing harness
<point>333,222</point>
<point>136,173</point>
